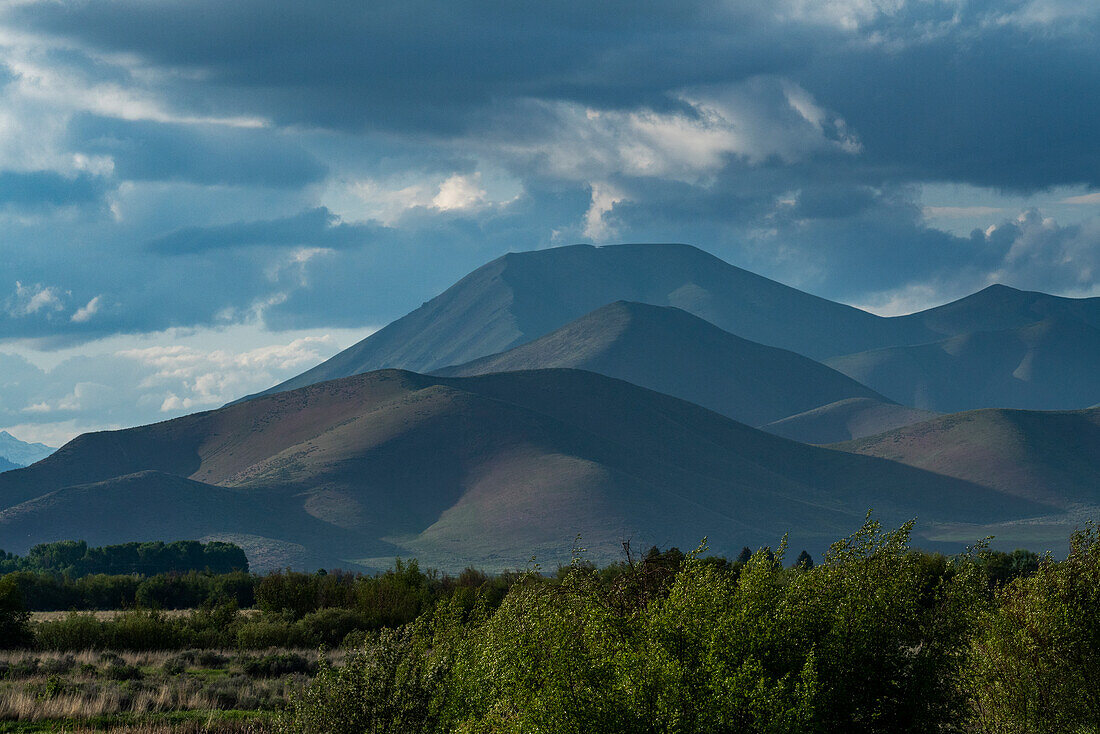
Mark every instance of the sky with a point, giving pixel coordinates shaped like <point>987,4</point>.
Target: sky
<point>199,199</point>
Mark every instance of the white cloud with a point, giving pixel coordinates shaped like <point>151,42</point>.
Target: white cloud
<point>1083,199</point>
<point>960,212</point>
<point>87,311</point>
<point>32,299</point>
<point>190,377</point>
<point>460,192</point>
<point>604,198</point>
<point>757,120</point>
<point>123,381</point>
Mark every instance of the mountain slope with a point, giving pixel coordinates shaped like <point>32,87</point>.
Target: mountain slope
<point>6,465</point>
<point>1049,457</point>
<point>1050,365</point>
<point>845,420</point>
<point>486,470</point>
<point>673,352</point>
<point>1000,308</point>
<point>22,453</point>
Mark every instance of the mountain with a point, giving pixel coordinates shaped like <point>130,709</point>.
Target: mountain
<point>845,420</point>
<point>486,470</point>
<point>22,453</point>
<point>671,351</point>
<point>524,295</point>
<point>6,465</point>
<point>1001,308</point>
<point>1048,457</point>
<point>1048,365</point>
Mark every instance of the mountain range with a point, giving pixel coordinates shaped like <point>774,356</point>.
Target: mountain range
<point>20,453</point>
<point>1052,457</point>
<point>671,351</point>
<point>522,296</point>
<point>483,470</point>
<point>650,393</point>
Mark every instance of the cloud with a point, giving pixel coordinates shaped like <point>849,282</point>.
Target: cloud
<point>1083,199</point>
<point>300,165</point>
<point>316,227</point>
<point>460,192</point>
<point>141,384</point>
<point>960,212</point>
<point>35,299</point>
<point>87,311</point>
<point>198,153</point>
<point>48,189</point>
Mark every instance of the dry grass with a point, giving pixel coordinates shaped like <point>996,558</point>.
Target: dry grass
<point>68,687</point>
<point>145,659</point>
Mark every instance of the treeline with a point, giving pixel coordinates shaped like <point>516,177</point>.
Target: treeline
<point>75,559</point>
<point>874,639</point>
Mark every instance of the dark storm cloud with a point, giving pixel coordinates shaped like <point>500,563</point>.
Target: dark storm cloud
<point>820,188</point>
<point>195,153</point>
<point>316,228</point>
<point>1008,108</point>
<point>430,66</point>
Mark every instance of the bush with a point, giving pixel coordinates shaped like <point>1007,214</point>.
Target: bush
<point>386,687</point>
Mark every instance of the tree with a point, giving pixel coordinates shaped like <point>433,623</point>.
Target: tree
<point>804,561</point>
<point>15,628</point>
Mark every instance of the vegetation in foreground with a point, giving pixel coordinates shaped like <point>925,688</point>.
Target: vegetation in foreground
<point>875,638</point>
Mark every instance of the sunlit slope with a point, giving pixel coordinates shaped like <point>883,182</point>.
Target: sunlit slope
<point>1050,457</point>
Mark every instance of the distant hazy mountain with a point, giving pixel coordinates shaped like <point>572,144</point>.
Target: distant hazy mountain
<point>999,308</point>
<point>522,296</point>
<point>6,465</point>
<point>673,352</point>
<point>22,453</point>
<point>845,420</point>
<point>1049,365</point>
<point>485,470</point>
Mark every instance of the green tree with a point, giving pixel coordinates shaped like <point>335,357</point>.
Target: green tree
<point>1037,653</point>
<point>14,619</point>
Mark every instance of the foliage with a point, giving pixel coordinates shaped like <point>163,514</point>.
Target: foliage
<point>873,639</point>
<point>73,558</point>
<point>14,619</point>
<point>1036,657</point>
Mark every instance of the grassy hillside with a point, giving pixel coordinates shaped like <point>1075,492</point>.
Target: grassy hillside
<point>1049,457</point>
<point>484,470</point>
<point>673,352</point>
<point>845,420</point>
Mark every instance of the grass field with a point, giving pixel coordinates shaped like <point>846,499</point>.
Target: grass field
<point>179,691</point>
<point>113,613</point>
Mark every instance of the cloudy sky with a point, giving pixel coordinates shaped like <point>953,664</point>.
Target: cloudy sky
<point>198,199</point>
